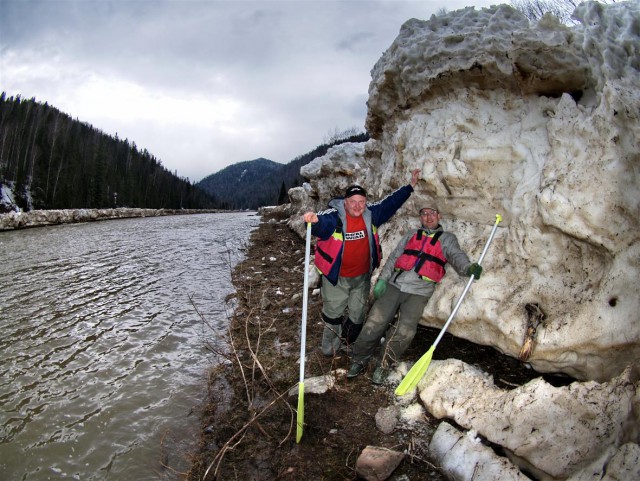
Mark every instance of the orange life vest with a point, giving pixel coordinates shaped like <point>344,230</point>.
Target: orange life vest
<point>329,250</point>
<point>423,254</point>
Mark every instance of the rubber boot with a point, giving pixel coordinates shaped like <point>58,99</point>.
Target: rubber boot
<point>331,335</point>
<point>350,331</point>
<point>379,375</point>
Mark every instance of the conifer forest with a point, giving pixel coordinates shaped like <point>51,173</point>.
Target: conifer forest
<point>52,161</point>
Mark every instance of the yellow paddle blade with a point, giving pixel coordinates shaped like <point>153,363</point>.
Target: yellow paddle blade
<point>414,375</point>
<point>300,412</point>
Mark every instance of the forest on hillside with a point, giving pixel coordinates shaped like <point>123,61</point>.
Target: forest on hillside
<point>51,161</point>
<point>261,182</point>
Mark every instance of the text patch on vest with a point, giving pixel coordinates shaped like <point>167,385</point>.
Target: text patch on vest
<point>354,235</point>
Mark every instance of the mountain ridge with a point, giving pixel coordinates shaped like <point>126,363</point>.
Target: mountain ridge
<point>251,184</point>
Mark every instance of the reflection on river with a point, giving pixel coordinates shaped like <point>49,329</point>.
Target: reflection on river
<point>103,356</point>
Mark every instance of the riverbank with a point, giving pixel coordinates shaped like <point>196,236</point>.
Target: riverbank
<point>248,425</point>
<point>40,218</point>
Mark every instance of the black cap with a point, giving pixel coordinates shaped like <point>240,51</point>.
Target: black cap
<point>355,190</point>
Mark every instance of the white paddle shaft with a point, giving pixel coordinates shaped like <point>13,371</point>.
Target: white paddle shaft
<point>471,279</point>
<point>305,296</point>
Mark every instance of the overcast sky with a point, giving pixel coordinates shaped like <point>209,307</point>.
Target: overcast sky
<point>202,84</point>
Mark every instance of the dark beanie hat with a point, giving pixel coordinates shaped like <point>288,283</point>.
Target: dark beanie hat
<point>355,190</point>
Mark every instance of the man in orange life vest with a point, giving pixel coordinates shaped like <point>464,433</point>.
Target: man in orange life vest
<point>347,252</point>
<point>405,285</point>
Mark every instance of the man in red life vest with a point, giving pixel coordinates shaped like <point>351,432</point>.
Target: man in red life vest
<point>347,252</point>
<point>405,285</point>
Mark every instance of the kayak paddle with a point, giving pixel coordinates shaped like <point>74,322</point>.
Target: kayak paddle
<point>418,370</point>
<point>303,335</point>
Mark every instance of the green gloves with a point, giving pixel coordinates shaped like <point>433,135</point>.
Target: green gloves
<point>475,270</point>
<point>380,288</point>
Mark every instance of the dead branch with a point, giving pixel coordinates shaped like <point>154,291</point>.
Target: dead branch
<point>237,438</point>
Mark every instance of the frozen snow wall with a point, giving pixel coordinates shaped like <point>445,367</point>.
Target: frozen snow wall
<point>538,123</point>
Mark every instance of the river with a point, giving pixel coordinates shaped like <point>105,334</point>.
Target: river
<point>108,330</point>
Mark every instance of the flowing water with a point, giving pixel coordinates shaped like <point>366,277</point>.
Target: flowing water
<point>108,329</point>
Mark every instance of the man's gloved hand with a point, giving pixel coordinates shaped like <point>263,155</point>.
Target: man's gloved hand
<point>475,270</point>
<point>380,288</point>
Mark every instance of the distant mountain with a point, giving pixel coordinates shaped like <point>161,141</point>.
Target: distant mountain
<point>245,185</point>
<point>258,183</point>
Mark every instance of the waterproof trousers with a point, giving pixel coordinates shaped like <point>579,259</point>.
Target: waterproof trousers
<point>397,336</point>
<point>342,304</point>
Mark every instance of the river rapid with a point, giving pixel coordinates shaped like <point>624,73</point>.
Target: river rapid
<point>108,331</point>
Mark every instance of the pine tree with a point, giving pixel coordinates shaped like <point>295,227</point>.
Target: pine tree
<point>283,197</point>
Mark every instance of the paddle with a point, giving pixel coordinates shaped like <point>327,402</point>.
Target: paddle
<point>303,335</point>
<point>418,370</point>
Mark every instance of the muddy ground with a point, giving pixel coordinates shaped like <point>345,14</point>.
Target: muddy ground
<point>248,427</point>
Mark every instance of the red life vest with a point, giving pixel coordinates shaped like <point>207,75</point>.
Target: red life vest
<point>329,250</point>
<point>423,254</point>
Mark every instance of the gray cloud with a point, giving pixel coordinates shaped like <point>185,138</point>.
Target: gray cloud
<point>203,84</point>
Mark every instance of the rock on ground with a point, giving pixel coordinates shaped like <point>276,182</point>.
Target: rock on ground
<point>553,432</point>
<point>465,458</point>
<point>377,464</point>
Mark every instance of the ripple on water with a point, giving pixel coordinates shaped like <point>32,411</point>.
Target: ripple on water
<point>103,352</point>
